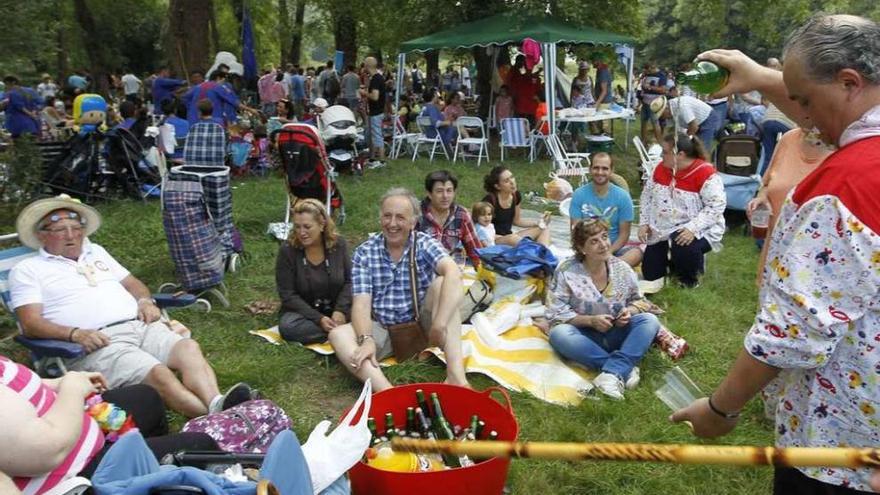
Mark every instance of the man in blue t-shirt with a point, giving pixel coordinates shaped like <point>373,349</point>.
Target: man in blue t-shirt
<point>610,202</point>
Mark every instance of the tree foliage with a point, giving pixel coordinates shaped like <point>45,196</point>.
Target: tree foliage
<point>44,35</point>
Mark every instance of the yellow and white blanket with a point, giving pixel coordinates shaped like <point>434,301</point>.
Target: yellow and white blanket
<point>506,347</point>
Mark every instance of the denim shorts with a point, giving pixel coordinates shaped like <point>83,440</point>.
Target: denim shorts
<point>376,139</point>
<point>647,114</point>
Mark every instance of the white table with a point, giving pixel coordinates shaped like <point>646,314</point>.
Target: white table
<point>599,116</point>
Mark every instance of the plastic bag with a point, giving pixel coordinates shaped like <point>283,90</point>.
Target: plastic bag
<point>331,456</point>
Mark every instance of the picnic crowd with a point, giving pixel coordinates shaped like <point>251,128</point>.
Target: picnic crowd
<point>811,350</point>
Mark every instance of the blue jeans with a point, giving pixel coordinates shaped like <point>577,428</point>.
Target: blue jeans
<point>710,127</point>
<point>770,130</point>
<point>616,351</point>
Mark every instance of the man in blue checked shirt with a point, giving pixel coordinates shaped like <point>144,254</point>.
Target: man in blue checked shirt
<point>383,295</point>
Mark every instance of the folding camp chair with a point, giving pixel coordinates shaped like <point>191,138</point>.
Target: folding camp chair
<point>48,355</point>
<point>538,137</point>
<point>467,126</point>
<point>425,125</point>
<point>515,133</point>
<point>401,138</point>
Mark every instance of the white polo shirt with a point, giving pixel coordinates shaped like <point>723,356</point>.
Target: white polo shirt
<point>686,109</point>
<point>64,288</point>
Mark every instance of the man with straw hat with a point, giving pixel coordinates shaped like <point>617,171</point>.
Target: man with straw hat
<point>692,116</point>
<point>818,327</point>
<point>74,290</point>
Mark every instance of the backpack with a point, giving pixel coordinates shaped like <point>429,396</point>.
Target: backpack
<point>301,163</point>
<point>526,258</point>
<point>331,85</point>
<point>248,427</point>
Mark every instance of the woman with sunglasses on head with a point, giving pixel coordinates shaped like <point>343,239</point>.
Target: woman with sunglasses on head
<point>598,315</point>
<point>682,211</point>
<point>313,275</point>
<point>502,194</point>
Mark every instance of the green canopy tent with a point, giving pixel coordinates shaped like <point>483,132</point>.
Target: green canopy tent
<point>507,28</point>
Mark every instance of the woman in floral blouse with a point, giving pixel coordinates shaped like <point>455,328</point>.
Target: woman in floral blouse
<point>682,211</point>
<point>598,313</point>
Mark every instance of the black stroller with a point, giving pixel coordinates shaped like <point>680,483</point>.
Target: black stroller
<point>103,166</point>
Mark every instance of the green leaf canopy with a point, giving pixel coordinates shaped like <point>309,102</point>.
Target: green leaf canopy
<point>511,28</point>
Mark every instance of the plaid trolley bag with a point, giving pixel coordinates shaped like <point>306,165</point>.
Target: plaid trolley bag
<point>192,238</point>
<point>218,198</point>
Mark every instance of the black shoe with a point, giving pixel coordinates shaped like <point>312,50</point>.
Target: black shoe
<point>238,393</point>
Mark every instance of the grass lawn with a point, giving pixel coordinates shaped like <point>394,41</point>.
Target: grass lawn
<point>713,318</point>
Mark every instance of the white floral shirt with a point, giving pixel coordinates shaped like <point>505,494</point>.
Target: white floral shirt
<point>573,293</point>
<point>692,198</point>
<point>820,314</point>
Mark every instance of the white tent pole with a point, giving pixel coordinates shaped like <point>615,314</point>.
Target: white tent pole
<point>401,61</point>
<point>629,91</point>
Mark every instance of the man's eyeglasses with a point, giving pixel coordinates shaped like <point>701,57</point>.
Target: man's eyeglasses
<point>72,229</point>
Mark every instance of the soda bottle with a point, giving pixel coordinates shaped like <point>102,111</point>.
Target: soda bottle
<point>705,78</point>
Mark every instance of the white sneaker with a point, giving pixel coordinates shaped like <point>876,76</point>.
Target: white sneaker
<point>633,380</point>
<point>609,385</point>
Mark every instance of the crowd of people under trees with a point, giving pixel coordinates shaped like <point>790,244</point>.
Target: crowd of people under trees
<point>811,349</point>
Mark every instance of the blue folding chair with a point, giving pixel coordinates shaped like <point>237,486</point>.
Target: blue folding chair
<point>516,133</point>
<point>48,355</point>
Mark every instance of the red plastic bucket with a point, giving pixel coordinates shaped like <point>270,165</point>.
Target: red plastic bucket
<point>459,403</point>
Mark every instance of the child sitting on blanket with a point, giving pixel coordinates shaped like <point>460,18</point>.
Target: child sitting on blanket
<point>482,216</point>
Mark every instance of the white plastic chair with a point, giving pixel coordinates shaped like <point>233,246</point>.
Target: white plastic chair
<point>401,138</point>
<point>568,164</point>
<point>467,126</point>
<point>515,133</point>
<point>539,137</point>
<point>648,160</point>
<point>424,123</point>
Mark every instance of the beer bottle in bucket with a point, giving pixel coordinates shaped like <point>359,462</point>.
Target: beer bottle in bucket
<point>705,78</point>
<point>374,434</point>
<point>390,431</point>
<point>444,431</point>
<point>420,399</point>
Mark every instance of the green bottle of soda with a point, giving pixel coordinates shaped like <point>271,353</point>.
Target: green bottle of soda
<point>705,78</point>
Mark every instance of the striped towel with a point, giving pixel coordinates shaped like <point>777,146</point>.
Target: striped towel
<point>519,359</point>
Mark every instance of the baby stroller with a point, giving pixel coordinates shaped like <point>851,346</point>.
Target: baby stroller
<point>339,132</point>
<point>736,159</point>
<point>308,171</point>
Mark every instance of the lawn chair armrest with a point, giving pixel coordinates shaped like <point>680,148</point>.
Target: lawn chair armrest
<point>178,300</point>
<point>51,347</point>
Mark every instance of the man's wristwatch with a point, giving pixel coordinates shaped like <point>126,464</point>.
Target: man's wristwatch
<point>148,299</point>
<point>362,338</point>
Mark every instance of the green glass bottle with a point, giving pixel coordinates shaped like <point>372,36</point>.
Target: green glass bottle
<point>390,431</point>
<point>705,78</point>
<point>374,433</point>
<point>420,399</point>
<point>410,421</point>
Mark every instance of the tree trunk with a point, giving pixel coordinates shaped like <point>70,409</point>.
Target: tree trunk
<point>483,61</point>
<point>345,36</point>
<point>283,31</point>
<point>215,34</point>
<point>377,53</point>
<point>188,36</point>
<point>62,67</point>
<point>94,47</point>
<point>297,32</point>
<point>432,60</point>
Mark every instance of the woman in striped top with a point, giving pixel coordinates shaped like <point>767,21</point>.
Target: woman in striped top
<point>47,437</point>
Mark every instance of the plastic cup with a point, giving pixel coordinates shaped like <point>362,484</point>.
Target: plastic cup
<point>760,222</point>
<point>678,391</point>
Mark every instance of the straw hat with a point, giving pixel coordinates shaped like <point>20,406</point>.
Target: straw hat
<point>658,105</point>
<point>321,103</point>
<point>30,217</point>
